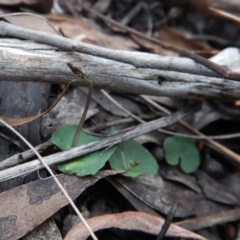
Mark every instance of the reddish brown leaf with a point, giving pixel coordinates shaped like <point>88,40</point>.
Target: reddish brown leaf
<point>128,221</point>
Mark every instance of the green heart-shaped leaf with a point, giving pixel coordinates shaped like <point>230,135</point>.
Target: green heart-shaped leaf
<point>134,159</point>
<point>88,164</point>
<point>84,165</point>
<point>64,136</point>
<point>183,150</point>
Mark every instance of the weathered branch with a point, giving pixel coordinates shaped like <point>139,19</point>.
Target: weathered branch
<point>28,61</point>
<point>136,59</point>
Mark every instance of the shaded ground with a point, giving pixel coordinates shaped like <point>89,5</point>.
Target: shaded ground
<point>208,198</point>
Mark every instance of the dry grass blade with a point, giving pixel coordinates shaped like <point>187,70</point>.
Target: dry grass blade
<point>20,121</point>
<point>226,15</point>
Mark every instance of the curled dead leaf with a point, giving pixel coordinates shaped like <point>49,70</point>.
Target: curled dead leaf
<point>128,221</point>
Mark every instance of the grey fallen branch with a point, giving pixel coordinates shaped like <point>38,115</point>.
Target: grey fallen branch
<point>136,59</point>
<point>39,62</point>
<point>23,157</point>
<point>102,143</point>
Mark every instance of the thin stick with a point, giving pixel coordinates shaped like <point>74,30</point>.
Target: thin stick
<point>82,120</point>
<point>80,73</point>
<point>167,221</point>
<point>54,177</point>
<point>224,14</point>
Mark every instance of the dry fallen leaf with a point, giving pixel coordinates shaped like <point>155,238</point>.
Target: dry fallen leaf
<point>151,189</point>
<point>213,190</point>
<point>87,31</point>
<point>20,121</point>
<point>25,207</point>
<point>178,40</point>
<point>30,22</point>
<point>129,221</point>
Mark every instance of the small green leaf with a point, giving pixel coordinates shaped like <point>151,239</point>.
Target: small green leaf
<point>84,165</point>
<point>88,164</point>
<point>64,136</point>
<point>134,159</point>
<point>183,150</point>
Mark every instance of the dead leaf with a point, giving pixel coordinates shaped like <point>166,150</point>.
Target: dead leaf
<point>30,22</point>
<point>20,121</point>
<point>25,207</point>
<point>67,111</point>
<point>231,182</point>
<point>161,194</point>
<point>178,40</point>
<point>136,203</point>
<point>142,44</point>
<point>151,189</point>
<point>128,221</point>
<point>89,32</point>
<point>108,105</point>
<point>174,174</point>
<point>213,190</point>
<point>211,220</point>
<point>197,202</point>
